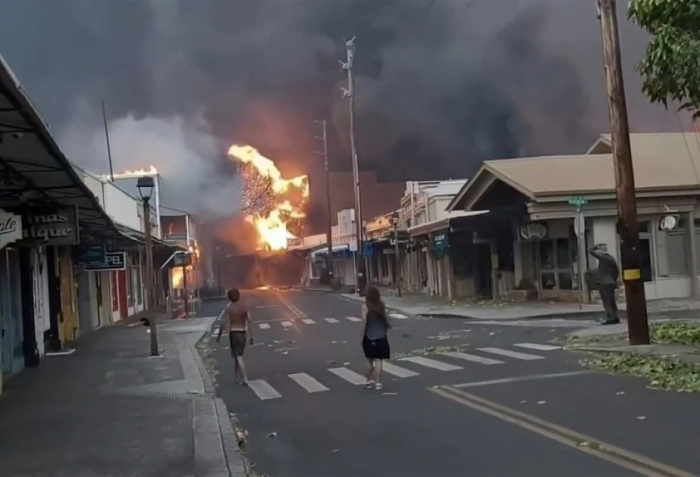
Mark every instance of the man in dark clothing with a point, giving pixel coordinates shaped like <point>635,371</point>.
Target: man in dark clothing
<point>607,276</point>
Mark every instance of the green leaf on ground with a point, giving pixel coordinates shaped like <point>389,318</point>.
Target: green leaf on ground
<point>676,333</point>
<point>661,372</point>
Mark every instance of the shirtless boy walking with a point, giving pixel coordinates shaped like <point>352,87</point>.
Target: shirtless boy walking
<point>236,322</point>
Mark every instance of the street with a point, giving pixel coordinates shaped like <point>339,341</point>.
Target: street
<point>459,398</point>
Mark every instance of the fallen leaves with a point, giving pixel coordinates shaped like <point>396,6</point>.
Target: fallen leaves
<point>432,350</point>
<point>661,372</point>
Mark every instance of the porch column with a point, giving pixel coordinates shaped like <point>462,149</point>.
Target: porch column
<point>693,256</point>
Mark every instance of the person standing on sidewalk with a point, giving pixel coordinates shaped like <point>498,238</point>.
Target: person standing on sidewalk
<point>375,342</point>
<point>607,275</point>
<point>236,320</point>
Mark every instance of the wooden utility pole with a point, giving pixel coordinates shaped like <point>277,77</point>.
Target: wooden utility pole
<point>627,225</point>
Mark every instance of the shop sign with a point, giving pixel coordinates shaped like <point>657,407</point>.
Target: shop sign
<point>113,261</point>
<point>533,231</point>
<point>50,227</point>
<point>440,243</point>
<point>669,222</point>
<point>182,259</point>
<point>10,228</point>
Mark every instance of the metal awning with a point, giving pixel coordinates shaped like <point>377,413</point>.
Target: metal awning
<point>139,237</point>
<point>33,170</point>
<point>440,224</point>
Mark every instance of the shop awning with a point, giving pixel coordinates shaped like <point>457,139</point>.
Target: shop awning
<point>435,225</point>
<point>33,170</point>
<point>335,250</point>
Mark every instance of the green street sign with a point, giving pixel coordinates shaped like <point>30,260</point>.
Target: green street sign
<point>577,201</point>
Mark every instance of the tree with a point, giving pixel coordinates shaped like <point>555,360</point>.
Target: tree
<point>670,68</point>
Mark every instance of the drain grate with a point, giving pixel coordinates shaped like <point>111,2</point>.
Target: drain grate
<point>164,394</point>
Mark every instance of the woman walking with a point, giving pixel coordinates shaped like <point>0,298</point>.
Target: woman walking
<point>375,342</point>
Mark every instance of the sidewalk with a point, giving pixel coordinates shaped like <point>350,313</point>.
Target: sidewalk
<point>424,305</point>
<point>110,410</point>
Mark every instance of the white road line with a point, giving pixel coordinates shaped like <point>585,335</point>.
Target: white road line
<point>308,383</point>
<point>398,316</point>
<point>331,320</point>
<point>309,321</point>
<point>287,324</point>
<point>353,318</point>
<point>473,358</point>
<point>264,326</point>
<point>431,363</point>
<point>398,371</point>
<point>511,354</point>
<point>263,390</point>
<point>540,347</point>
<point>350,376</point>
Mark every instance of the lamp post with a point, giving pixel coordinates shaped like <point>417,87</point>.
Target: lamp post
<point>397,261</point>
<point>145,186</point>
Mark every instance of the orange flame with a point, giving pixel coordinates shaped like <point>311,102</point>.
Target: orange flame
<point>272,227</point>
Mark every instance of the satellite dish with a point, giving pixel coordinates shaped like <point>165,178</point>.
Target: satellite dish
<point>668,223</point>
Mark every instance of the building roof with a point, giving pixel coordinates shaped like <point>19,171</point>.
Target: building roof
<point>662,162</point>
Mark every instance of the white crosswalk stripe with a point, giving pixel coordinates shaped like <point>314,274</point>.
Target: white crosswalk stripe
<point>331,320</point>
<point>263,390</point>
<point>308,383</point>
<point>287,324</point>
<point>536,346</point>
<point>431,363</point>
<point>264,326</point>
<point>398,371</point>
<point>309,321</point>
<point>398,316</point>
<point>473,358</point>
<point>350,376</point>
<point>511,354</point>
<point>352,318</point>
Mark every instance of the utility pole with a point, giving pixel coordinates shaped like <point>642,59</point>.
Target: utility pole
<point>350,94</point>
<point>184,289</point>
<point>329,225</point>
<point>627,225</point>
<point>109,149</point>
<point>397,258</point>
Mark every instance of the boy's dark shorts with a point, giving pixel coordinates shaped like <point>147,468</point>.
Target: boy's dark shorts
<point>237,340</point>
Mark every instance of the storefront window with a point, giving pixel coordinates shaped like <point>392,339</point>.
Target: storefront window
<point>555,264</point>
<point>677,250</point>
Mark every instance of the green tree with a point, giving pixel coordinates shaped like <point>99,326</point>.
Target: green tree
<point>671,67</point>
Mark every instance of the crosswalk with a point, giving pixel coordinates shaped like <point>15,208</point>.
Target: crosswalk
<point>401,368</point>
<point>308,321</point>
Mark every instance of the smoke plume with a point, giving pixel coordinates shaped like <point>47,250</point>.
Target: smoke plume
<point>440,85</point>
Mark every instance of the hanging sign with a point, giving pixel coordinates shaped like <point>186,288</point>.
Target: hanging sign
<point>50,227</point>
<point>10,228</point>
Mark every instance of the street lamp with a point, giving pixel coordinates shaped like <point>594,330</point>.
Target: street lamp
<point>145,186</point>
<point>397,263</point>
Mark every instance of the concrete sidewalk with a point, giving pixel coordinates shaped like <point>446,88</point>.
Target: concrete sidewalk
<point>424,305</point>
<point>110,410</point>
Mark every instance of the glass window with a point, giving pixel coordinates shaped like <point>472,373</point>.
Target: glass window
<point>677,253</point>
<point>563,253</point>
<point>547,255</point>
<point>565,281</point>
<point>549,281</point>
<point>644,227</point>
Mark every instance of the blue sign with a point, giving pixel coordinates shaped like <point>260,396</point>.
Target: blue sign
<point>113,261</point>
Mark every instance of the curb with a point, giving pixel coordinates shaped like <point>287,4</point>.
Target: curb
<point>232,453</point>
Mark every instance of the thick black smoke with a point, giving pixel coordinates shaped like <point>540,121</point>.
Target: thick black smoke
<point>439,88</point>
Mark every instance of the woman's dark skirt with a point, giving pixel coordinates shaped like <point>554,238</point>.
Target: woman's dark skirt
<point>376,349</point>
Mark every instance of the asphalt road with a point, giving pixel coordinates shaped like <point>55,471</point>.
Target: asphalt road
<point>511,404</point>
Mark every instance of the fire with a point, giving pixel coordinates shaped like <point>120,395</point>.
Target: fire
<point>271,201</point>
<point>151,171</point>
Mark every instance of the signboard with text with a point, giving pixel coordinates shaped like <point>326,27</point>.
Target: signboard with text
<point>10,228</point>
<point>113,261</point>
<point>50,227</point>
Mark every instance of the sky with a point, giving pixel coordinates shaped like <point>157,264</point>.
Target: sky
<point>440,85</point>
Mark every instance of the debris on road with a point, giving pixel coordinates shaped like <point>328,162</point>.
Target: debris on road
<point>271,434</point>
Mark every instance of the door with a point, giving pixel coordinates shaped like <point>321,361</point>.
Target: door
<point>84,306</point>
<point>123,307</point>
<point>482,270</point>
<point>6,335</point>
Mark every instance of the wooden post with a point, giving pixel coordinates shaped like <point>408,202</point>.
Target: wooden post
<point>627,225</point>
